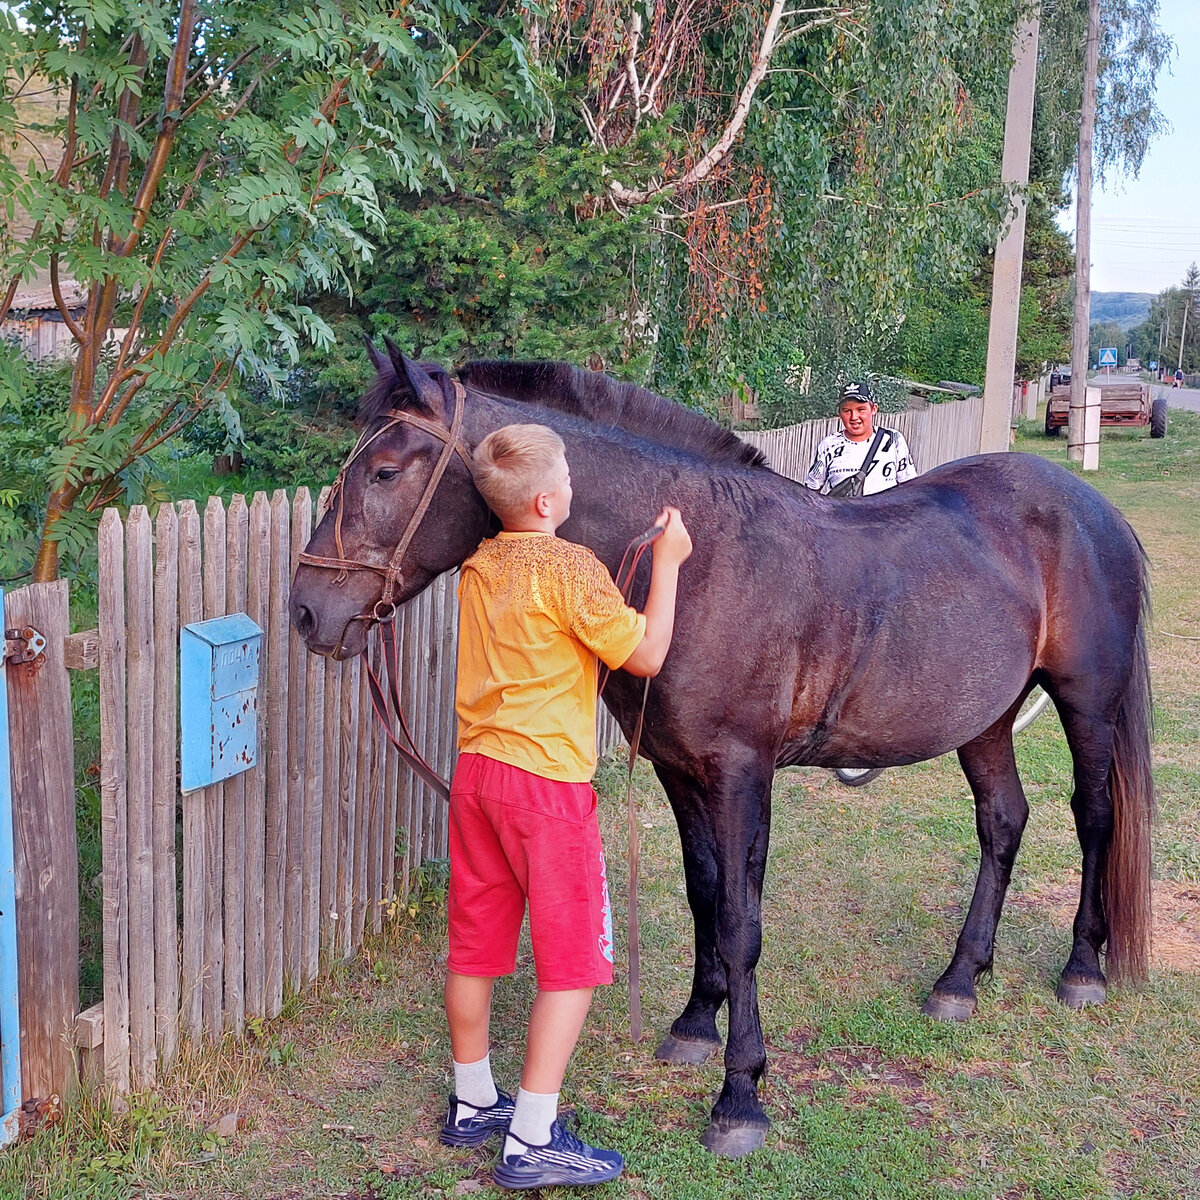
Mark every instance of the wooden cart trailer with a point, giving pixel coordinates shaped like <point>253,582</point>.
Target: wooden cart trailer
<point>1125,403</point>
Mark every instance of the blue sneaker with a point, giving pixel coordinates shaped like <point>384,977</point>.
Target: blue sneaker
<point>466,1125</point>
<point>564,1161</point>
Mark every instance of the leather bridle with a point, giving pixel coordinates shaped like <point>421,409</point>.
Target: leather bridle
<point>385,607</point>
<point>383,612</point>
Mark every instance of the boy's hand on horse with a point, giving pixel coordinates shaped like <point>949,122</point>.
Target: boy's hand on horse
<point>675,545</point>
<point>670,550</point>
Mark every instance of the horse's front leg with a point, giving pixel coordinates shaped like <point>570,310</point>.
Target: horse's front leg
<point>694,1037</point>
<point>739,797</point>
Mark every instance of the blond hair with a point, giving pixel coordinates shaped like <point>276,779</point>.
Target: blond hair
<point>514,464</point>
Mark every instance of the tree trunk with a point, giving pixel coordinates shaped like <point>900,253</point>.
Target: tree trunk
<point>45,566</point>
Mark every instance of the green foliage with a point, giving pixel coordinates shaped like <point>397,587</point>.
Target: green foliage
<point>944,337</point>
<point>1106,333</point>
<point>200,211</point>
<point>289,444</point>
<point>1165,335</point>
<point>508,264</point>
<point>33,424</point>
<point>1133,51</point>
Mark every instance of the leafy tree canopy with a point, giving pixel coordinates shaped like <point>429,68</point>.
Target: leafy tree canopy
<point>217,163</point>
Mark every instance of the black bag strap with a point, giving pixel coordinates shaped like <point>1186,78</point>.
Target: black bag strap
<point>876,442</point>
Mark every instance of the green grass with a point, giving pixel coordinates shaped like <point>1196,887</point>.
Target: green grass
<point>865,895</point>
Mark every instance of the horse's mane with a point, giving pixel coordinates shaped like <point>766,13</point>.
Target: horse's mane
<point>596,397</point>
<point>588,395</point>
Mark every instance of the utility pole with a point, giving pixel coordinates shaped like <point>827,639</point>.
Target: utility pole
<point>1010,250</point>
<point>1076,419</point>
<point>1187,303</point>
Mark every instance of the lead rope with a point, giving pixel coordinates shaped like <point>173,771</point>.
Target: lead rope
<point>624,579</point>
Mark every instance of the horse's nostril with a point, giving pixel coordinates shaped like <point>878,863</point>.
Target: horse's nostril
<point>303,620</point>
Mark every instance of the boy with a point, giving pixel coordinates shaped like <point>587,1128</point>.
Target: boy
<point>535,612</point>
<point>842,453</point>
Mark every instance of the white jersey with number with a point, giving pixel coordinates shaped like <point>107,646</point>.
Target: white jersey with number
<point>838,458</point>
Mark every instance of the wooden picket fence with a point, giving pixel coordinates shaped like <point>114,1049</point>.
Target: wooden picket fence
<point>935,434</point>
<point>283,868</point>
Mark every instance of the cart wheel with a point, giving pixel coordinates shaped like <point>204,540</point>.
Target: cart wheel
<point>1158,417</point>
<point>857,776</point>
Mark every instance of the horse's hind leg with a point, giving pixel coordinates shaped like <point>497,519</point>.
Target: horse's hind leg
<point>739,800</point>
<point>694,1037</point>
<point>1000,815</point>
<point>1091,743</point>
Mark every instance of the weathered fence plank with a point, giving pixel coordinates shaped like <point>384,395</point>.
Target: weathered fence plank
<point>275,850</point>
<point>314,792</point>
<point>293,919</point>
<point>166,787</point>
<point>46,858</point>
<point>113,805</point>
<point>258,569</point>
<point>410,785</point>
<point>447,677</point>
<point>233,794</point>
<point>213,984</point>
<point>331,735</point>
<point>375,802</point>
<point>348,704</point>
<point>191,609</point>
<point>139,657</point>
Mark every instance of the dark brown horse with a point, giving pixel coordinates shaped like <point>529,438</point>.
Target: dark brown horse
<point>871,632</point>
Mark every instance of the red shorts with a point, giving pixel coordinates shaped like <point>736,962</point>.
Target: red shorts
<point>515,836</point>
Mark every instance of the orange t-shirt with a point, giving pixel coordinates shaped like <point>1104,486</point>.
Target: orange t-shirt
<point>535,612</point>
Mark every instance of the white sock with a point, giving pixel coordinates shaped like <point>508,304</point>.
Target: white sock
<point>473,1083</point>
<point>535,1113</point>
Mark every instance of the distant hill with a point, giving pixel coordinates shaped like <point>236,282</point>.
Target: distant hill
<point>1126,309</point>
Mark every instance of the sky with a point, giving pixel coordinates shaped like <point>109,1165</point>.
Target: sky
<point>1145,231</point>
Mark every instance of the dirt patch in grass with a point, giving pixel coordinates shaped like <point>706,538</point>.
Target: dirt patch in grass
<point>1176,937</point>
<point>862,1071</point>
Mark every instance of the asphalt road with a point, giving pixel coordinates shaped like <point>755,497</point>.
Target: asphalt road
<point>1178,397</point>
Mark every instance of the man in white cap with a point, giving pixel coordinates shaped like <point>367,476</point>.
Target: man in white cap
<point>841,455</point>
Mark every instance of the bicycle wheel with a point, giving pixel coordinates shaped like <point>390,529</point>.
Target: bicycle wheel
<point>858,776</point>
<point>1035,704</point>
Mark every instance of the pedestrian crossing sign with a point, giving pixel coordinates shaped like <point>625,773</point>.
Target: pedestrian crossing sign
<point>1108,356</point>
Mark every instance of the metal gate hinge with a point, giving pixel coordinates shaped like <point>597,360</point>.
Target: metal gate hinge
<point>23,645</point>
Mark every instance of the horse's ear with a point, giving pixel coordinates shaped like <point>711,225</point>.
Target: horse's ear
<point>377,359</point>
<point>426,394</point>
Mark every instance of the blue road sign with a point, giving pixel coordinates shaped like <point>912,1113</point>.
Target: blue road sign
<point>1153,365</point>
<point>1108,356</point>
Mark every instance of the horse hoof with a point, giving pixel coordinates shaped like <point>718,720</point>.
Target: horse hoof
<point>733,1141</point>
<point>689,1052</point>
<point>1080,995</point>
<point>943,1007</point>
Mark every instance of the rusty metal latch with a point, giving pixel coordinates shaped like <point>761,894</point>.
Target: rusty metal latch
<point>24,645</point>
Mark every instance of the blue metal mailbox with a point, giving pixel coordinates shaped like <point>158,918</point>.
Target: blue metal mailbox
<point>218,699</point>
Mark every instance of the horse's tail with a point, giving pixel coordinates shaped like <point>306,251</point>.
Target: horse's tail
<point>1127,897</point>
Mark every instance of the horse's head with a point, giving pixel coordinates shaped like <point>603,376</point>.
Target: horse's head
<point>403,510</point>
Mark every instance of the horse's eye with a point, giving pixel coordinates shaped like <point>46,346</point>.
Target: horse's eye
<point>386,473</point>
